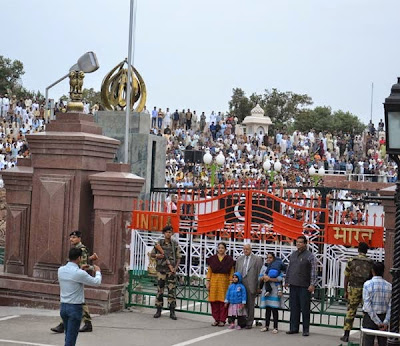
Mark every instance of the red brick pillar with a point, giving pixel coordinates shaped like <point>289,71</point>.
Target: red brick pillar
<point>114,192</point>
<point>71,149</point>
<point>390,218</point>
<point>19,199</point>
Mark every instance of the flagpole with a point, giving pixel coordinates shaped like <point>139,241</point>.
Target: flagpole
<point>372,98</point>
<point>128,87</point>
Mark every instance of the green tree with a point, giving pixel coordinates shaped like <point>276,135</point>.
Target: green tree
<point>284,107</point>
<point>20,92</point>
<point>239,105</point>
<point>256,99</point>
<point>64,98</point>
<point>91,96</point>
<point>10,74</point>
<point>290,111</point>
<point>347,122</point>
<point>322,119</point>
<point>319,119</point>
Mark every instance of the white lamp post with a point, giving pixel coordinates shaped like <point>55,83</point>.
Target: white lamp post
<point>277,166</point>
<point>267,165</point>
<point>207,158</point>
<point>87,63</point>
<point>220,159</point>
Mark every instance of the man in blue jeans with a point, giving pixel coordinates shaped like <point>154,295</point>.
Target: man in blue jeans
<point>301,276</point>
<point>72,279</point>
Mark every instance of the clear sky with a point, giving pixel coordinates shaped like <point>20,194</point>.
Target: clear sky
<point>191,53</point>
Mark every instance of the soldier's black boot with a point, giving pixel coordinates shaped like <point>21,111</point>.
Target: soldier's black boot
<point>172,313</point>
<point>346,335</point>
<point>158,313</point>
<point>58,329</point>
<point>87,327</point>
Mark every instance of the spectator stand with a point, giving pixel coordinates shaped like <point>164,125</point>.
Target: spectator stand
<point>268,218</point>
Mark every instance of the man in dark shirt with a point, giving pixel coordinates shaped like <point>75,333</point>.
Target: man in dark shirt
<point>189,116</point>
<point>213,131</point>
<point>167,130</point>
<point>301,277</point>
<point>175,121</point>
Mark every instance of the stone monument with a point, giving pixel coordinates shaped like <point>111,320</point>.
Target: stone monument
<point>69,183</point>
<point>257,123</point>
<point>146,151</point>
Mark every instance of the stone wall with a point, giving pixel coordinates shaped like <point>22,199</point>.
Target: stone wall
<point>341,181</point>
<point>146,152</point>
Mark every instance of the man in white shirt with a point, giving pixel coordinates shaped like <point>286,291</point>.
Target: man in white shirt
<point>72,279</point>
<point>167,118</point>
<point>213,118</point>
<point>154,115</point>
<point>311,136</point>
<point>28,103</point>
<point>86,108</point>
<point>35,106</point>
<point>6,105</point>
<point>377,296</point>
<point>145,110</point>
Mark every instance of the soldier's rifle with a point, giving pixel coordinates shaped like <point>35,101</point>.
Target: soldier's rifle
<point>161,251</point>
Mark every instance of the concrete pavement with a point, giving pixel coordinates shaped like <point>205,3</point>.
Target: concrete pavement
<point>21,326</point>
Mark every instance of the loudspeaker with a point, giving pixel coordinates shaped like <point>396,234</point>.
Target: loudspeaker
<point>198,156</point>
<point>194,156</point>
<point>189,156</point>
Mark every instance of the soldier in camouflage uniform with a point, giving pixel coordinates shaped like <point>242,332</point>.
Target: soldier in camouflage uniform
<point>166,252</point>
<point>76,241</point>
<point>358,270</point>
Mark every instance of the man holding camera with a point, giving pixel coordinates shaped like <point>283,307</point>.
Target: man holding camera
<point>72,298</point>
<point>75,238</point>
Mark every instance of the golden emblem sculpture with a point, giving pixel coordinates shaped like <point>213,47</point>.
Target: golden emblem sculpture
<point>75,91</point>
<point>113,89</point>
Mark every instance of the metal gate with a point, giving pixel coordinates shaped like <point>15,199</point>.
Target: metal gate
<point>239,216</point>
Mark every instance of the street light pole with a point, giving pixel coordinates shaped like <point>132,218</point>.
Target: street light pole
<point>219,161</point>
<point>128,86</point>
<point>392,124</point>
<point>395,270</point>
<point>46,105</point>
<point>87,63</point>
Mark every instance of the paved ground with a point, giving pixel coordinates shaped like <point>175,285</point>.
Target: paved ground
<point>21,326</point>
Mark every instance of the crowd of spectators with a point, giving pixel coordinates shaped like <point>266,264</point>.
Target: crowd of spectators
<point>21,117</point>
<point>189,136</point>
<point>18,118</point>
<point>358,156</point>
<point>361,156</point>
